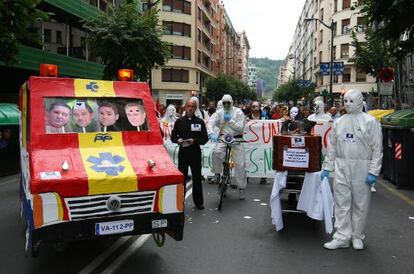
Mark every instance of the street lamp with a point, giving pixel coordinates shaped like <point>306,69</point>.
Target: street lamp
<point>292,56</point>
<point>332,28</point>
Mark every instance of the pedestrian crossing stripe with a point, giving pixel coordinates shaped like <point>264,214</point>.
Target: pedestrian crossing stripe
<point>106,164</point>
<point>94,88</point>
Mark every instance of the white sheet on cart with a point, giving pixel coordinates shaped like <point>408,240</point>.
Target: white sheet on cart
<point>315,198</point>
<point>275,207</point>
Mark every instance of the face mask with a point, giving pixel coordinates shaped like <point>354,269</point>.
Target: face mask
<point>353,101</point>
<point>171,111</point>
<point>226,106</point>
<point>294,112</point>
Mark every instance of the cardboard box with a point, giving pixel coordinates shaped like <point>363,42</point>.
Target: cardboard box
<point>297,152</point>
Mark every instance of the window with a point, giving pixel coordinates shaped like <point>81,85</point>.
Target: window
<point>178,6</point>
<point>174,28</point>
<point>346,28</point>
<point>321,15</point>
<point>175,75</point>
<point>316,41</point>
<point>321,36</point>
<point>334,27</point>
<point>47,33</point>
<point>346,77</point>
<point>320,57</point>
<point>199,56</point>
<point>362,23</point>
<point>314,62</point>
<point>199,14</point>
<point>58,37</point>
<point>344,50</point>
<point>181,52</point>
<point>346,4</point>
<point>361,76</point>
<point>335,5</point>
<point>199,35</point>
<point>65,115</point>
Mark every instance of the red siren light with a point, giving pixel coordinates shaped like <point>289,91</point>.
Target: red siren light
<point>125,75</point>
<point>48,70</point>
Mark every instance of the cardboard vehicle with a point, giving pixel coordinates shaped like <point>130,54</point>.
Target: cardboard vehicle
<point>94,164</point>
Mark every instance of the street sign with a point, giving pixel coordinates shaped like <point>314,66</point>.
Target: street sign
<point>338,68</point>
<point>303,83</point>
<point>324,68</point>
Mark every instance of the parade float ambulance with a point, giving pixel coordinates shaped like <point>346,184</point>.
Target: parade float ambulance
<point>93,163</point>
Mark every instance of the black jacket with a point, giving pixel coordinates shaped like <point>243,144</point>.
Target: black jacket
<point>190,127</point>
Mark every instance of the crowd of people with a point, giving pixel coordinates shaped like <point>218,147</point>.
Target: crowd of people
<point>354,153</point>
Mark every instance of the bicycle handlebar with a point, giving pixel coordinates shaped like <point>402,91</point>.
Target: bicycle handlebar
<point>233,141</point>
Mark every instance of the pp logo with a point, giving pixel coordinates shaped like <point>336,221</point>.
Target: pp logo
<point>102,137</point>
<point>92,86</point>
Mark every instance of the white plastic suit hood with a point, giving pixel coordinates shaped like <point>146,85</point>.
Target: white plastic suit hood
<point>353,101</point>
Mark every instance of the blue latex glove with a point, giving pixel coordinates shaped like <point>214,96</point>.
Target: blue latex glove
<point>371,179</point>
<point>227,116</point>
<point>213,137</point>
<point>324,174</point>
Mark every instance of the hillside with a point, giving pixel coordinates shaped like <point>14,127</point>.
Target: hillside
<point>268,70</point>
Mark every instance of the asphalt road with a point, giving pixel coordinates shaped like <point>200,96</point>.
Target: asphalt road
<point>240,239</point>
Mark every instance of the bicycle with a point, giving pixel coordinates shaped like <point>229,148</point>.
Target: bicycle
<point>228,164</point>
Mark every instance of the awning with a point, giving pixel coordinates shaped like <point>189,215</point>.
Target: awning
<point>9,114</point>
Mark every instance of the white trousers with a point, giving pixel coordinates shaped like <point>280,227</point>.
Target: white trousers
<point>219,154</point>
<point>352,198</point>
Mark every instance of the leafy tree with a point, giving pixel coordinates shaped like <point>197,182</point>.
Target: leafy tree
<point>223,84</point>
<point>370,55</point>
<point>393,23</point>
<point>267,69</point>
<point>291,91</point>
<point>128,39</point>
<point>17,21</point>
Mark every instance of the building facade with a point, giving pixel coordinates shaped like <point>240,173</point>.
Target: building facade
<point>312,42</point>
<point>64,44</point>
<point>243,57</point>
<point>252,77</point>
<point>205,44</point>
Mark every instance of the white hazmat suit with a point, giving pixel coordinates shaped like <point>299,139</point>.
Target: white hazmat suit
<point>319,115</point>
<point>355,155</point>
<point>229,120</point>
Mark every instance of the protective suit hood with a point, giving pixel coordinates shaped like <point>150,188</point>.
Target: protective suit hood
<point>170,114</point>
<point>219,105</point>
<point>353,101</point>
<point>227,98</point>
<point>294,111</point>
<point>319,107</point>
<point>197,112</point>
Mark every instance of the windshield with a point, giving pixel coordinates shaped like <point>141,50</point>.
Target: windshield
<point>65,115</point>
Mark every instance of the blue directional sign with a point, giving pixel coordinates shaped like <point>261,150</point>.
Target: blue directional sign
<point>303,83</point>
<point>338,68</point>
<point>324,68</point>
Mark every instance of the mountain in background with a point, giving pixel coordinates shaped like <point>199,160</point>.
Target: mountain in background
<point>268,70</point>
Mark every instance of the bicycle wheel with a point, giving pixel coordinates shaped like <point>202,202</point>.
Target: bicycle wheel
<point>222,192</point>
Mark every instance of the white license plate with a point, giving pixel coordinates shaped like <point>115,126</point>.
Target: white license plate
<point>114,227</point>
<point>159,223</point>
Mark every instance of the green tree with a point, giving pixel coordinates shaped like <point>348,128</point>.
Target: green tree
<point>267,69</point>
<point>17,26</point>
<point>371,55</point>
<point>291,91</point>
<point>128,39</point>
<point>223,84</point>
<point>393,24</point>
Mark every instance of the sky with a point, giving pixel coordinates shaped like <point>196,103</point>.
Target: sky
<point>269,24</point>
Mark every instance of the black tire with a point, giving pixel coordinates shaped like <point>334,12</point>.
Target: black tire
<point>222,192</point>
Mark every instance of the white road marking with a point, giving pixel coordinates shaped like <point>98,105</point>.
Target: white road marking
<point>126,254</point>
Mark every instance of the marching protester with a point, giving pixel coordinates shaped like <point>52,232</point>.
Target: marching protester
<point>354,155</point>
<point>230,120</point>
<point>189,133</point>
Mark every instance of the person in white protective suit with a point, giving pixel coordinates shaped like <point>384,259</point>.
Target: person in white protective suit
<point>230,121</point>
<point>319,115</point>
<point>167,122</point>
<point>355,155</point>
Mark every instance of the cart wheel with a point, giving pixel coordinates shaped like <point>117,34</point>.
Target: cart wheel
<point>159,239</point>
<point>30,249</point>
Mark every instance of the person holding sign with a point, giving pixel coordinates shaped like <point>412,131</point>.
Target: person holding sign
<point>230,120</point>
<point>189,133</point>
<point>355,156</point>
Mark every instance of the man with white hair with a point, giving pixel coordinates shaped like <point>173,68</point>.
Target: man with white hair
<point>355,156</point>
<point>230,121</point>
